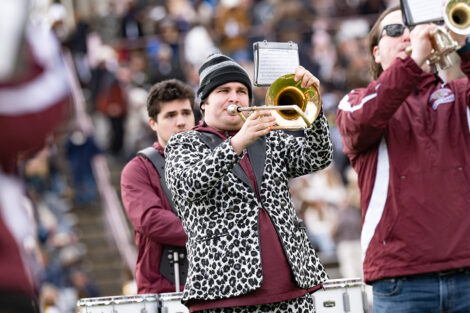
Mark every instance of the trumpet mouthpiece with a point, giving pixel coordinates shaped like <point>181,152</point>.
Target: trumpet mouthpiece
<point>232,109</point>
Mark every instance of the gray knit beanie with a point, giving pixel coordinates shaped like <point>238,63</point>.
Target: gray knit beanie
<point>217,70</point>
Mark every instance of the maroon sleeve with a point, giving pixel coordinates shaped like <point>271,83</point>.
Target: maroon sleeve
<point>146,205</point>
<point>363,114</point>
<point>464,84</point>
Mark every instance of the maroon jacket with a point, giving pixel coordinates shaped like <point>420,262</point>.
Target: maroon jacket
<point>153,220</point>
<point>407,135</point>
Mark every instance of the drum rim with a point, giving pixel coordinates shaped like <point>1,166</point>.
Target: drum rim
<point>102,301</point>
<point>170,296</point>
<point>343,283</point>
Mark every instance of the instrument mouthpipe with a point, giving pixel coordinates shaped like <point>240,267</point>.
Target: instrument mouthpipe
<point>233,109</point>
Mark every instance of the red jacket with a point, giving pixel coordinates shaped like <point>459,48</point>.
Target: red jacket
<point>408,138</point>
<point>153,220</point>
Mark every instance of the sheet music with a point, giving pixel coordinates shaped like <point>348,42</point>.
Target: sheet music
<point>422,11</point>
<point>274,63</point>
<point>274,59</point>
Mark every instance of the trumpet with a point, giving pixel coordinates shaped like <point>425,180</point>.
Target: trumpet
<point>294,107</point>
<point>456,14</point>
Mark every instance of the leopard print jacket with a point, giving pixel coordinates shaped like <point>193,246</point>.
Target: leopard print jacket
<point>219,207</point>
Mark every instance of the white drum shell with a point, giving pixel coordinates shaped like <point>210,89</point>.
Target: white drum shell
<point>171,303</point>
<point>143,303</point>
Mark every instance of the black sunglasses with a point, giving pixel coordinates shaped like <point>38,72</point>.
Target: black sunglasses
<point>392,30</point>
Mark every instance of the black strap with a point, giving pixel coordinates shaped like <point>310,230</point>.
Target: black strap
<point>256,150</point>
<point>167,259</point>
<point>155,157</point>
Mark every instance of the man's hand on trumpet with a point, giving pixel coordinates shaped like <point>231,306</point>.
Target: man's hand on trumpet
<point>260,122</point>
<point>307,78</point>
<point>421,45</point>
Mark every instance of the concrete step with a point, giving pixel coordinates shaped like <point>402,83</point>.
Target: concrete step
<point>102,258</point>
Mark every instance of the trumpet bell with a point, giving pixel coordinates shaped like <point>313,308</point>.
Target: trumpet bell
<point>285,91</point>
<point>457,16</point>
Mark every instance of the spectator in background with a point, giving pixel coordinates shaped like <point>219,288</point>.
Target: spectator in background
<point>198,45</point>
<point>110,98</point>
<point>138,134</point>
<point>320,217</point>
<point>78,45</point>
<point>148,206</point>
<point>108,24</point>
<point>49,297</point>
<point>232,23</point>
<point>346,234</point>
<point>165,66</point>
<point>407,137</point>
<point>138,71</point>
<point>169,34</point>
<point>320,193</point>
<point>83,284</point>
<point>352,52</point>
<point>347,230</point>
<point>80,149</point>
<point>131,24</point>
<point>291,21</point>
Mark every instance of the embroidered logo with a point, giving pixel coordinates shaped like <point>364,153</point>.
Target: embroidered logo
<point>443,95</point>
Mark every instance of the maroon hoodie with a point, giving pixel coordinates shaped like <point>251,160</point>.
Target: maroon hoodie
<point>153,220</point>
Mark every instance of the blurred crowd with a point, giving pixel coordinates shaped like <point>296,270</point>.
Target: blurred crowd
<point>131,47</point>
<point>121,48</point>
<point>64,275</point>
<point>120,51</point>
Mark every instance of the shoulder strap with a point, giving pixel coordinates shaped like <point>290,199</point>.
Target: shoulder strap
<point>210,139</point>
<point>257,150</point>
<point>154,156</point>
<point>167,268</point>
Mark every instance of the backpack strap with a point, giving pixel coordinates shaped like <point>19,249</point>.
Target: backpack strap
<point>158,162</point>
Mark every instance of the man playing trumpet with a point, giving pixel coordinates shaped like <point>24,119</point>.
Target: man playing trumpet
<point>407,135</point>
<point>247,249</point>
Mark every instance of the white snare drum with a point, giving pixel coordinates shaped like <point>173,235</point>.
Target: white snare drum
<point>144,303</point>
<point>341,295</point>
<point>171,303</point>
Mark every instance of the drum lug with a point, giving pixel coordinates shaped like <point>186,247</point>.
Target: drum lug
<point>346,303</point>
<point>365,302</point>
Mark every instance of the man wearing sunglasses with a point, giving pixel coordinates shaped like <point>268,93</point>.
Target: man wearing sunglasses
<point>407,135</point>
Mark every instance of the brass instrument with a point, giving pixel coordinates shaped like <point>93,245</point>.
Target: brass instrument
<point>456,15</point>
<point>294,107</point>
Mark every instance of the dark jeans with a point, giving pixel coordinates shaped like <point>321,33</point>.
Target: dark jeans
<point>440,292</point>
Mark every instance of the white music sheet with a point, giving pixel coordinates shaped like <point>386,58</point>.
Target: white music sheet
<point>274,59</point>
<point>423,11</point>
<point>274,63</point>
